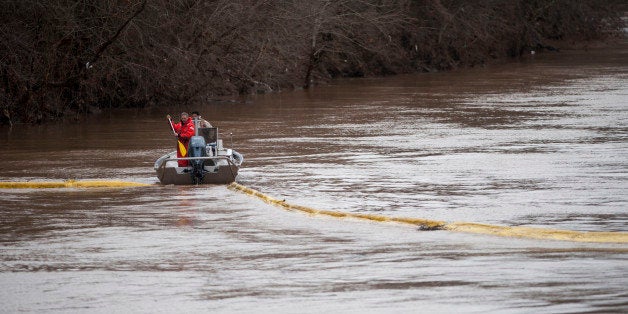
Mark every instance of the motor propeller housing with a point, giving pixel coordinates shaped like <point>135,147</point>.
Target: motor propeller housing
<point>196,148</point>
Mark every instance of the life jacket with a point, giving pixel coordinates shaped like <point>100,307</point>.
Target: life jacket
<point>185,130</point>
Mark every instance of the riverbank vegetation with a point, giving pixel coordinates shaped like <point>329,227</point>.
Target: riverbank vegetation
<point>62,59</point>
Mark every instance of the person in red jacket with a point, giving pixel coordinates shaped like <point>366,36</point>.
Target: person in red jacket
<point>184,130</point>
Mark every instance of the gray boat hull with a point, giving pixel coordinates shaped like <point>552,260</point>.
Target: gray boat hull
<point>218,170</point>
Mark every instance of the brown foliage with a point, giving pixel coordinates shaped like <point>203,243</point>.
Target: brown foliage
<point>64,58</point>
<point>453,33</point>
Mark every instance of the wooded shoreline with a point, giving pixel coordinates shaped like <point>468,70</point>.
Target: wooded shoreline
<point>63,59</point>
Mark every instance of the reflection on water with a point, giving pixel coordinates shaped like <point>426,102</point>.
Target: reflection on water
<point>538,143</point>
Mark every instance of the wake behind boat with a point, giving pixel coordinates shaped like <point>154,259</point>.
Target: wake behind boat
<point>209,161</point>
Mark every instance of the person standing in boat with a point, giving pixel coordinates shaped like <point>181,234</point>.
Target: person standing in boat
<point>184,130</point>
<point>203,123</point>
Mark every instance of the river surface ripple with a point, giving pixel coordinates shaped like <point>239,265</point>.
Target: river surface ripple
<point>542,142</point>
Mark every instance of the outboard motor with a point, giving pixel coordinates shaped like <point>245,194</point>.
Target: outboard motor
<point>196,148</point>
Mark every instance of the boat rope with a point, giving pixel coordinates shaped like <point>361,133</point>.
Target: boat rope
<point>467,227</point>
<point>69,184</point>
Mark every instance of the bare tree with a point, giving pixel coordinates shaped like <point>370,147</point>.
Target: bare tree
<point>64,58</point>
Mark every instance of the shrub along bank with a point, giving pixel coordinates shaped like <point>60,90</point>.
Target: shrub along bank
<point>62,59</point>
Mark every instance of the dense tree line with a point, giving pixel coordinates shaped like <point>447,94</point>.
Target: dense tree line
<point>62,58</point>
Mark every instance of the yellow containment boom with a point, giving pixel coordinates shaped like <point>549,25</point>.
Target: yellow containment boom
<point>468,227</point>
<point>69,184</point>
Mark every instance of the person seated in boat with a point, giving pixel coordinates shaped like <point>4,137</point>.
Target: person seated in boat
<point>202,122</point>
<point>184,130</point>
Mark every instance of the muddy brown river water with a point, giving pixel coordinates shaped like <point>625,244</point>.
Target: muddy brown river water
<point>542,142</point>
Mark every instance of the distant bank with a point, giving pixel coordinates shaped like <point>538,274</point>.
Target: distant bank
<point>63,60</point>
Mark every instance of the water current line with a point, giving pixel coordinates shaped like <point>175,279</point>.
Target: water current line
<point>467,227</point>
<point>69,184</point>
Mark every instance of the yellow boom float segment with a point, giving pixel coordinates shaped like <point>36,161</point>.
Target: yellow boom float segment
<point>539,233</point>
<point>467,227</point>
<point>69,184</point>
<point>426,223</point>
